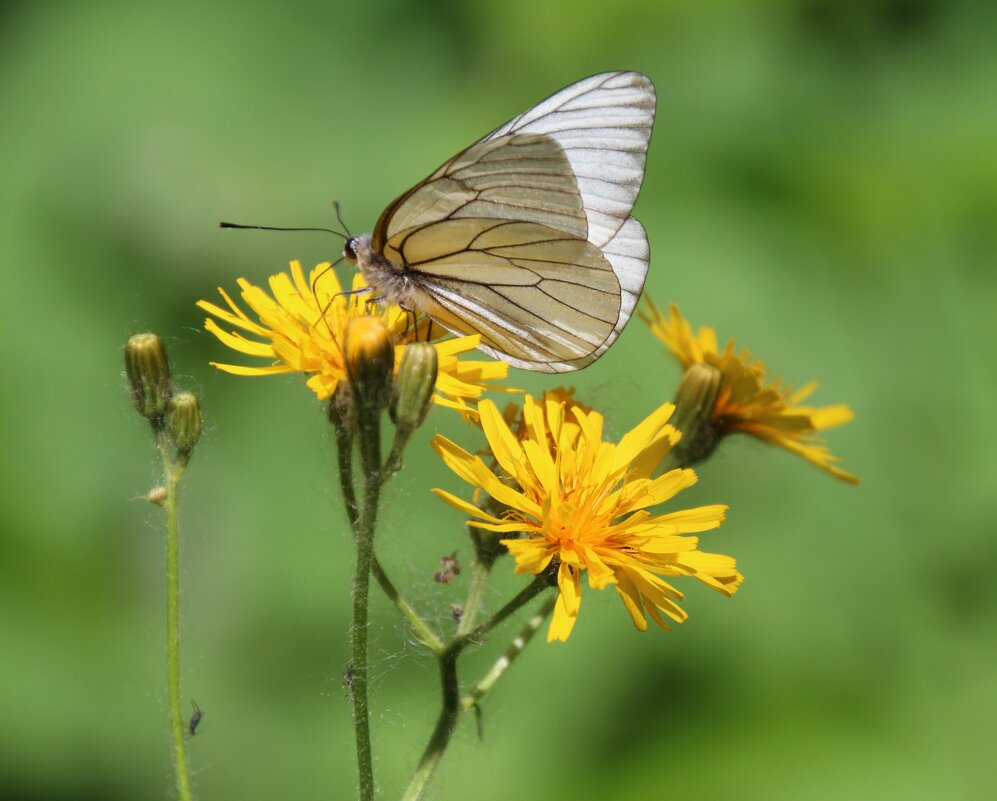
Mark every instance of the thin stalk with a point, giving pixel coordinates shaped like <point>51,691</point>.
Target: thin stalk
<point>475,595</point>
<point>370,447</point>
<point>450,708</point>
<point>173,473</point>
<point>504,662</point>
<point>540,583</point>
<point>344,449</point>
<point>394,461</point>
<point>445,724</point>
<point>421,627</point>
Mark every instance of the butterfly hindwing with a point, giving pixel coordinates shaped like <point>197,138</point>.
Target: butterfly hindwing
<point>539,296</point>
<point>603,125</point>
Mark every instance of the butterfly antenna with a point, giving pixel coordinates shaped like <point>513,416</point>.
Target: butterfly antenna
<point>339,218</point>
<point>275,228</point>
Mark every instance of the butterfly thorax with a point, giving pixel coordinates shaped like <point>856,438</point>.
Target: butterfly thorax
<point>387,281</point>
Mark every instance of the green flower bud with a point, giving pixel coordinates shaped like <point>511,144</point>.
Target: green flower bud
<point>184,422</point>
<point>369,354</point>
<point>695,400</point>
<point>148,372</point>
<point>414,386</point>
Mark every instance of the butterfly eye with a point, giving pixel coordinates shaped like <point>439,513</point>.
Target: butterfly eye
<point>349,251</point>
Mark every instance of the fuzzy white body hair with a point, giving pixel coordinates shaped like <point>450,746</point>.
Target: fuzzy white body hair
<point>388,284</point>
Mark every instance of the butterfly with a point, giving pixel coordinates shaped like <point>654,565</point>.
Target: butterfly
<point>525,237</point>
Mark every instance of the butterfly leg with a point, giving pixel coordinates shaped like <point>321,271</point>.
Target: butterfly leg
<point>369,302</point>
<point>328,305</point>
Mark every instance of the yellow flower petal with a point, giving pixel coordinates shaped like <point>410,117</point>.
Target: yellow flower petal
<point>504,446</point>
<point>238,369</point>
<point>468,508</point>
<point>474,471</point>
<point>635,441</point>
<point>561,622</point>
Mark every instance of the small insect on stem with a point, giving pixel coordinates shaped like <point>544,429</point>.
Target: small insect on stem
<point>195,719</point>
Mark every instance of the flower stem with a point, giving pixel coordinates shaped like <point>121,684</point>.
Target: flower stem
<point>370,453</point>
<point>174,472</point>
<point>421,627</point>
<point>445,724</point>
<point>344,449</point>
<point>502,664</point>
<point>451,707</point>
<point>475,594</point>
<point>524,596</point>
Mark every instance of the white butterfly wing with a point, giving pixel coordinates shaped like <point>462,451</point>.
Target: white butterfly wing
<point>520,177</point>
<point>566,173</point>
<point>603,124</point>
<point>629,254</point>
<point>540,298</point>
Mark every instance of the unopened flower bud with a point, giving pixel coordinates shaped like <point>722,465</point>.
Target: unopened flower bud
<point>148,372</point>
<point>370,361</point>
<point>695,401</point>
<point>184,422</point>
<point>414,386</point>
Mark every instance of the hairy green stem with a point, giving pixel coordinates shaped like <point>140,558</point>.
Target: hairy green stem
<point>370,453</point>
<point>445,724</point>
<point>540,583</point>
<point>174,472</point>
<point>344,450</point>
<point>422,629</point>
<point>504,662</point>
<point>344,447</point>
<point>450,708</point>
<point>475,594</point>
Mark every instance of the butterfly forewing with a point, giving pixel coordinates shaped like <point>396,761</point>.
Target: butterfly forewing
<point>628,254</point>
<point>603,124</point>
<point>515,177</point>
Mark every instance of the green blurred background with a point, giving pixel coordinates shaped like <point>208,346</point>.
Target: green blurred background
<point>821,185</point>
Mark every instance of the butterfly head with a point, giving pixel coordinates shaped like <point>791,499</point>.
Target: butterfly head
<point>350,250</point>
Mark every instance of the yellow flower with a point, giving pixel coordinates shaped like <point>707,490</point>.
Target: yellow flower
<point>301,327</point>
<point>584,503</point>
<point>515,417</point>
<point>746,402</point>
